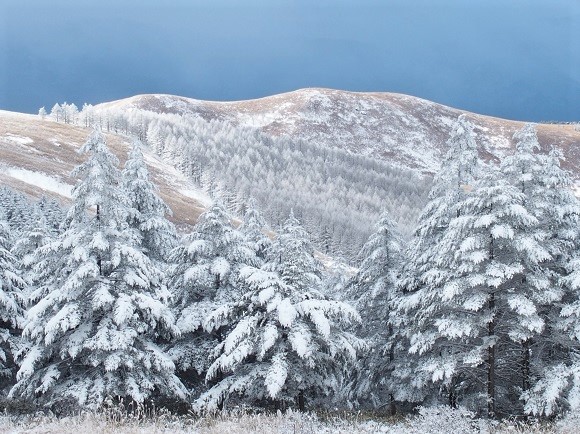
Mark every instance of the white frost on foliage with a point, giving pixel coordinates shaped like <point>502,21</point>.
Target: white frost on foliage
<point>276,375</point>
<point>286,313</point>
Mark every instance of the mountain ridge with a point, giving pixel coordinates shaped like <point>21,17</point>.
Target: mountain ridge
<point>390,126</point>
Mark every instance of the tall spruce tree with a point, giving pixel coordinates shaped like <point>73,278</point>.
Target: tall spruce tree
<point>146,210</point>
<point>555,364</point>
<point>287,341</point>
<point>93,332</point>
<point>252,228</point>
<point>204,274</point>
<point>548,197</point>
<point>11,304</point>
<point>422,275</point>
<point>466,330</point>
<point>374,289</point>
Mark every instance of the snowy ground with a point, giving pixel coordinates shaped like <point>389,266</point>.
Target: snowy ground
<point>430,421</point>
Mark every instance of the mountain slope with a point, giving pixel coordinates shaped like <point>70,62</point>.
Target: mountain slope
<point>388,126</point>
<point>336,158</point>
<point>37,156</point>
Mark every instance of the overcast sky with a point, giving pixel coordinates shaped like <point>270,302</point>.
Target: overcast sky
<point>518,59</point>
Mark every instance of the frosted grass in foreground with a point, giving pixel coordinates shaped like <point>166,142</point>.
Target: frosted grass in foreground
<point>428,421</point>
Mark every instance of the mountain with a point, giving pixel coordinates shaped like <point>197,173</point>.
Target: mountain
<point>336,158</point>
<point>389,126</point>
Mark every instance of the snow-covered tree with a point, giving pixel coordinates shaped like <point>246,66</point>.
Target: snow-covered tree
<point>253,227</point>
<point>25,246</point>
<point>57,112</point>
<point>286,341</point>
<point>374,290</point>
<point>549,196</point>
<point>422,275</point>
<point>42,113</point>
<point>11,303</point>
<point>93,332</point>
<point>466,329</point>
<point>204,274</point>
<point>146,210</point>
<point>459,170</point>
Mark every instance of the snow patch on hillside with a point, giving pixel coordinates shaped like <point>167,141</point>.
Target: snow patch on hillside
<point>40,180</point>
<point>19,140</point>
<point>177,179</point>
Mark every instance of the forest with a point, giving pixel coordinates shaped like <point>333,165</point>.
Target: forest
<point>337,195</point>
<point>477,307</point>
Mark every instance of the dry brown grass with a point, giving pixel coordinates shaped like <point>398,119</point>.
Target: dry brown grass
<point>54,153</point>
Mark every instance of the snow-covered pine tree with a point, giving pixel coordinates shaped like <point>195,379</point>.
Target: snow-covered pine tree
<point>459,170</point>
<point>558,388</point>
<point>93,332</point>
<point>52,211</point>
<point>252,228</point>
<point>146,210</point>
<point>24,249</point>
<point>548,197</point>
<point>11,305</point>
<point>555,364</point>
<point>373,290</point>
<point>422,277</point>
<point>287,341</point>
<point>204,274</point>
<point>466,331</point>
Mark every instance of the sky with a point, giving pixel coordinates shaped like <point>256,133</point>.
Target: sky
<point>517,59</point>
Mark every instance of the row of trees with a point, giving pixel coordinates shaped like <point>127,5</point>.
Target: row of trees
<point>480,309</point>
<point>114,306</point>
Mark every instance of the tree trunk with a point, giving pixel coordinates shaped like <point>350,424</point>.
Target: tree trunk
<point>452,396</point>
<point>392,405</point>
<point>99,261</point>
<point>526,365</point>
<point>491,361</point>
<point>301,406</point>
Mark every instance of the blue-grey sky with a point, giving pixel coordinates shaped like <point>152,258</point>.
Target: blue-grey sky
<point>517,59</point>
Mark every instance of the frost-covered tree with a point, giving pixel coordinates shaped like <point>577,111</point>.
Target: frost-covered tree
<point>554,354</point>
<point>465,331</point>
<point>146,210</point>
<point>11,304</point>
<point>204,274</point>
<point>42,113</point>
<point>52,211</point>
<point>94,329</point>
<point>459,170</point>
<point>25,247</point>
<point>287,341</point>
<point>423,275</point>
<point>253,229</point>
<point>374,290</point>
<point>57,112</point>
<point>548,197</point>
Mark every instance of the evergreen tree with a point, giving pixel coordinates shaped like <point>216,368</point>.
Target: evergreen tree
<point>11,303</point>
<point>146,210</point>
<point>459,170</point>
<point>374,289</point>
<point>252,228</point>
<point>422,276</point>
<point>287,341</point>
<point>93,332</point>
<point>555,353</point>
<point>25,247</point>
<point>204,275</point>
<point>466,330</point>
